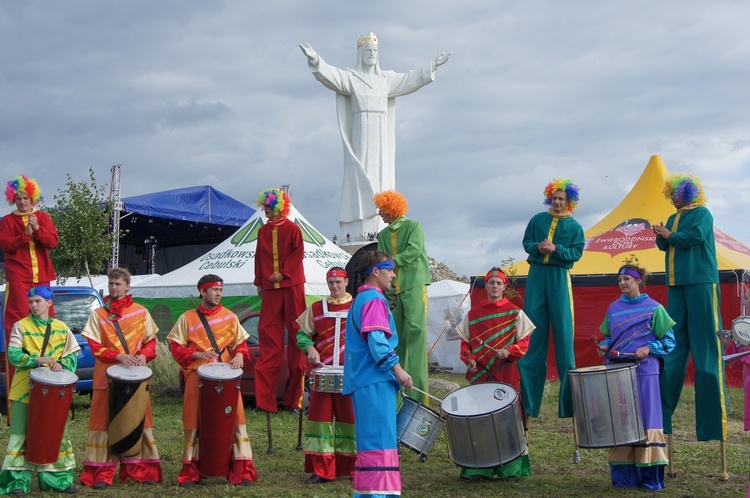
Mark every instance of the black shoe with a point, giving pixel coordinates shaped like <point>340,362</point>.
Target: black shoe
<point>512,479</point>
<point>187,484</point>
<point>478,477</point>
<point>150,482</point>
<point>247,482</point>
<point>17,492</point>
<point>316,479</point>
<point>70,490</point>
<point>100,485</point>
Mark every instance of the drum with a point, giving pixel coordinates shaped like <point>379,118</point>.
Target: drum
<point>741,330</point>
<point>418,427</point>
<point>128,401</point>
<point>483,424</point>
<point>50,396</point>
<point>327,379</point>
<point>607,406</point>
<point>219,389</point>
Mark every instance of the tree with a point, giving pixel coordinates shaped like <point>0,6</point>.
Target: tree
<point>81,214</point>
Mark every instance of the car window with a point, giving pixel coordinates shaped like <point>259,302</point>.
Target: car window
<point>75,309</point>
<point>251,325</point>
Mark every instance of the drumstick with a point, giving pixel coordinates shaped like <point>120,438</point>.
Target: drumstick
<point>427,394</point>
<point>736,355</point>
<point>482,343</point>
<point>614,354</point>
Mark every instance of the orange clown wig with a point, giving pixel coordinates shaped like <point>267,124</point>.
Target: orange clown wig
<point>392,203</point>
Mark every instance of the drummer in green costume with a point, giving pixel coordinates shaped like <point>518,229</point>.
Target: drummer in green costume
<point>694,301</point>
<point>554,241</point>
<point>29,348</point>
<point>403,239</point>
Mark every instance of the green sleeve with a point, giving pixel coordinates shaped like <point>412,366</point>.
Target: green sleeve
<point>69,362</point>
<point>21,359</point>
<point>304,340</point>
<point>661,322</point>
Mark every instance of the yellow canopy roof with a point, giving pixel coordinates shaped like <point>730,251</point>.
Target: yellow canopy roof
<point>626,232</point>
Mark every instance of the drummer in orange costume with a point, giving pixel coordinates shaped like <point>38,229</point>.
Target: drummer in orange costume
<point>195,343</point>
<point>119,332</point>
<point>35,341</point>
<point>494,335</point>
<point>330,450</point>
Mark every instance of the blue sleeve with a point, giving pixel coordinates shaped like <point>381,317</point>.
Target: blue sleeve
<point>381,351</point>
<point>664,345</point>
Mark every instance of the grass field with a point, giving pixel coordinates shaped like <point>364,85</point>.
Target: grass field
<point>550,445</point>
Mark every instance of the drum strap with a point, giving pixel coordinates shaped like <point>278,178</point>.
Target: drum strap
<point>120,335</point>
<point>46,338</point>
<point>209,332</point>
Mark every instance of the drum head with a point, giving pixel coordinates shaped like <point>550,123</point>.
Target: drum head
<point>741,330</point>
<point>478,399</point>
<point>608,367</point>
<point>328,369</point>
<point>219,371</point>
<point>45,375</point>
<point>126,373</point>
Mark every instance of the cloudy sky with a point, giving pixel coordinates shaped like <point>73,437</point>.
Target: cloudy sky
<point>184,93</point>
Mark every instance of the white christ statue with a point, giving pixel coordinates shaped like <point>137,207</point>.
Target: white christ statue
<point>366,105</point>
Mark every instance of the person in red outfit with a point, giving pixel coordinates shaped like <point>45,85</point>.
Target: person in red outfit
<point>280,281</point>
<point>120,332</point>
<point>192,346</point>
<point>26,237</point>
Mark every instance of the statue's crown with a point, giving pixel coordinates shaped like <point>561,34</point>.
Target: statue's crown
<point>365,39</point>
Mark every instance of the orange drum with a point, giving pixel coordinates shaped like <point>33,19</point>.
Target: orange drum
<point>128,401</point>
<point>219,389</point>
<point>50,396</point>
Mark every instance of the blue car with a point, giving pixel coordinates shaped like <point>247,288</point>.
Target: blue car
<point>73,305</point>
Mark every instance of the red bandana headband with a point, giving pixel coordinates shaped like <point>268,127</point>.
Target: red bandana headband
<point>498,274</point>
<point>208,285</point>
<point>336,273</point>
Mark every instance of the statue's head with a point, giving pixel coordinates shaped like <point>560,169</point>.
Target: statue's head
<point>367,54</point>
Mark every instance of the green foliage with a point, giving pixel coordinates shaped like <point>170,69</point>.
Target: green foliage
<point>82,215</point>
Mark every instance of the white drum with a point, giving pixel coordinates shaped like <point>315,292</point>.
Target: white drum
<point>484,426</point>
<point>741,330</point>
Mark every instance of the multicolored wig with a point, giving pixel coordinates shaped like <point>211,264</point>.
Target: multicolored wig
<point>276,199</point>
<point>687,188</point>
<point>567,186</point>
<point>392,203</point>
<point>22,185</point>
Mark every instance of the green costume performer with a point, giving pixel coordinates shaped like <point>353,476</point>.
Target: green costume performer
<point>24,348</point>
<point>403,239</point>
<point>694,301</point>
<point>554,241</point>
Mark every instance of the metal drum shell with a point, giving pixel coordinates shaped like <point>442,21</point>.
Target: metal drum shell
<point>328,379</point>
<point>219,391</point>
<point>607,405</point>
<point>484,425</point>
<point>417,426</point>
<point>50,397</point>
<point>741,330</point>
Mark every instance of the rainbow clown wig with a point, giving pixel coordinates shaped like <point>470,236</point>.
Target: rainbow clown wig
<point>391,202</point>
<point>275,199</point>
<point>687,188</point>
<point>22,185</point>
<point>567,186</point>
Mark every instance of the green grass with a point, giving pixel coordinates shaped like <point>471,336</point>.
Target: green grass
<point>550,446</point>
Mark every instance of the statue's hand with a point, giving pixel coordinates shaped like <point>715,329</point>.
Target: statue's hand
<point>309,52</point>
<point>443,58</point>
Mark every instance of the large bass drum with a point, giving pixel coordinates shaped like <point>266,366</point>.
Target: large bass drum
<point>484,426</point>
<point>607,407</point>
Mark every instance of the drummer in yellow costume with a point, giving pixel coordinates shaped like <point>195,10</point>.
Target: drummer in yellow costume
<point>36,341</point>
<point>120,332</point>
<point>192,346</point>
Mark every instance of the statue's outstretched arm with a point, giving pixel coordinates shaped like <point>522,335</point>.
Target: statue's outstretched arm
<point>310,53</point>
<point>440,59</point>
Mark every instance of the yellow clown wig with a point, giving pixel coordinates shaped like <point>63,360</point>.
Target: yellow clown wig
<point>21,185</point>
<point>687,188</point>
<point>392,203</point>
<point>567,186</point>
<point>275,199</point>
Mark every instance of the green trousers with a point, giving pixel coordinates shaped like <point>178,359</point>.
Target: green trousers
<point>410,316</point>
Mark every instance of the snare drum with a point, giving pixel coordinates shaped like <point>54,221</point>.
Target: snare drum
<point>484,427</point>
<point>607,406</point>
<point>219,391</point>
<point>741,330</point>
<point>327,379</point>
<point>50,396</point>
<point>128,402</point>
<point>418,427</point>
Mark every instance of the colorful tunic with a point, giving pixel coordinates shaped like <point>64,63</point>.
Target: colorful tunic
<point>329,447</point>
<point>187,337</point>
<point>500,325</point>
<point>694,302</point>
<point>27,264</point>
<point>631,324</point>
<point>280,249</point>
<point>139,331</point>
<point>25,346</point>
<point>548,302</point>
<point>370,357</point>
<point>403,239</point>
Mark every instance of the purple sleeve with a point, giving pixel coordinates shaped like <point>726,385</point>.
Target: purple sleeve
<point>375,317</point>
